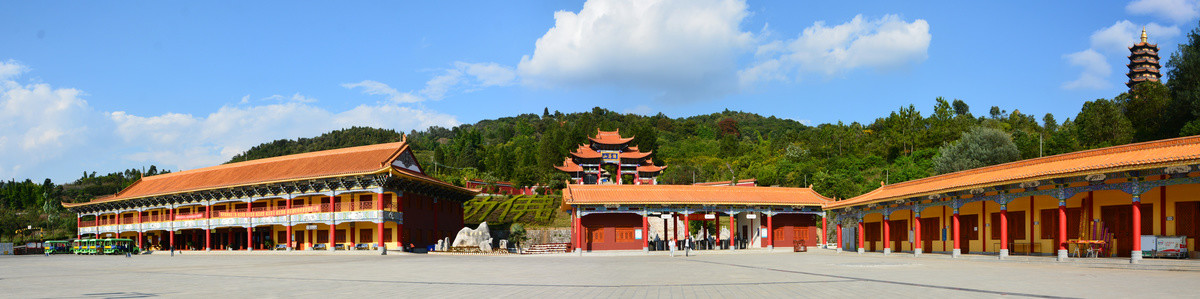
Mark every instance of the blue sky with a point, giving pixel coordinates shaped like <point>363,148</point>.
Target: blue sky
<point>110,86</point>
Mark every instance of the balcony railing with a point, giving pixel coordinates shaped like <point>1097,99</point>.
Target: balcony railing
<point>250,213</point>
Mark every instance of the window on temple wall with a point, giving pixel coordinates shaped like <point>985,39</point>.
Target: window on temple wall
<point>365,236</point>
<point>1049,223</point>
<point>1016,225</point>
<point>625,235</point>
<point>339,236</point>
<point>387,235</point>
<point>322,236</point>
<point>1187,219</point>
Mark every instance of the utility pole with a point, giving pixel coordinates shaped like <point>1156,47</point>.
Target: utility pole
<point>1040,153</point>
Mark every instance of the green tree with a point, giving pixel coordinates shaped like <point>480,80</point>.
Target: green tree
<point>961,107</point>
<point>1101,124</point>
<point>1148,108</point>
<point>978,147</point>
<point>1184,85</point>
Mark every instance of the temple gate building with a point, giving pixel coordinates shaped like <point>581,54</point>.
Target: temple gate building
<point>1143,63</point>
<point>657,217</point>
<point>585,164</point>
<point>365,197</point>
<point>1102,201</point>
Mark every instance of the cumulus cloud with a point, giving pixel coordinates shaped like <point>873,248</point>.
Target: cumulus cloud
<point>678,48</point>
<point>377,88</point>
<point>1095,70</point>
<point>885,43</point>
<point>463,77</point>
<point>1117,38</point>
<point>1111,42</point>
<point>52,132</point>
<point>38,123</point>
<point>1179,11</point>
<point>189,141</point>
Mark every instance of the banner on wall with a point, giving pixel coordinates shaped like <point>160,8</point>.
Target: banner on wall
<point>610,157</point>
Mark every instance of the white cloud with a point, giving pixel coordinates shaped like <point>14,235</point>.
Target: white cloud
<point>885,43</point>
<point>38,123</point>
<point>678,48</point>
<point>1095,70</point>
<point>488,74</point>
<point>1179,11</point>
<point>376,88</point>
<point>189,142</point>
<point>1112,41</point>
<point>1115,39</point>
<point>11,69</point>
<point>52,132</point>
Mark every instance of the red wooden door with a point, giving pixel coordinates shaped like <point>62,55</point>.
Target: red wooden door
<point>929,232</point>
<point>872,233</point>
<point>1119,222</point>
<point>898,234</point>
<point>968,230</point>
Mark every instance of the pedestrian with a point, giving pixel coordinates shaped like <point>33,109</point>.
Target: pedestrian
<point>172,250</point>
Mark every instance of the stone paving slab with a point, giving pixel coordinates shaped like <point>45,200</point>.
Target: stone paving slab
<point>750,274</point>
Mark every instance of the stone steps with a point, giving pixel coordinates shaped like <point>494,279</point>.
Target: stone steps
<point>548,248</point>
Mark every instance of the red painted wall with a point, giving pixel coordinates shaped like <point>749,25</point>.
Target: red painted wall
<point>602,231</point>
<point>419,216</point>
<point>787,226</point>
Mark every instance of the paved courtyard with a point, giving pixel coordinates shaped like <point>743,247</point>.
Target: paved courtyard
<point>814,274</point>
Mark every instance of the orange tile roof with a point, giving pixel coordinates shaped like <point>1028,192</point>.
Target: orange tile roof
<point>634,155</point>
<point>585,152</point>
<point>338,162</point>
<point>569,165</point>
<point>651,168</point>
<point>1145,155</point>
<point>611,138</point>
<point>690,194</point>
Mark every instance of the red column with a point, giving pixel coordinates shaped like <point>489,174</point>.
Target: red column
<point>78,222</point>
<point>645,232</point>
<point>887,240</point>
<point>1062,225</point>
<point>139,241</point>
<point>1137,227</point>
<point>577,236</point>
<point>839,237</point>
<point>916,232</point>
<point>249,238</point>
<point>332,231</point>
<point>288,238</point>
<point>771,230</point>
<point>732,230</point>
<point>1003,227</point>
<point>379,226</point>
<point>207,239</point>
<point>957,244</point>
<point>861,239</point>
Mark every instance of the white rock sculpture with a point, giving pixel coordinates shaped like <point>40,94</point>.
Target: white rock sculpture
<point>486,245</point>
<point>468,237</point>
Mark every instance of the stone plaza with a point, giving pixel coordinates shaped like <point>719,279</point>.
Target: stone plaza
<point>757,273</point>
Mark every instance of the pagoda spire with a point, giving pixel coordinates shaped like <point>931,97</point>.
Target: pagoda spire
<point>1143,63</point>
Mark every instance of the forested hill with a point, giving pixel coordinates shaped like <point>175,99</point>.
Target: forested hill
<point>839,160</point>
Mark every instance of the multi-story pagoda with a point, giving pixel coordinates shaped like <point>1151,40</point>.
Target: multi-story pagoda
<point>1143,63</point>
<point>585,164</point>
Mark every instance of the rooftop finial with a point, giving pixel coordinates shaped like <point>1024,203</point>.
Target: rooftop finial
<point>1143,34</point>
